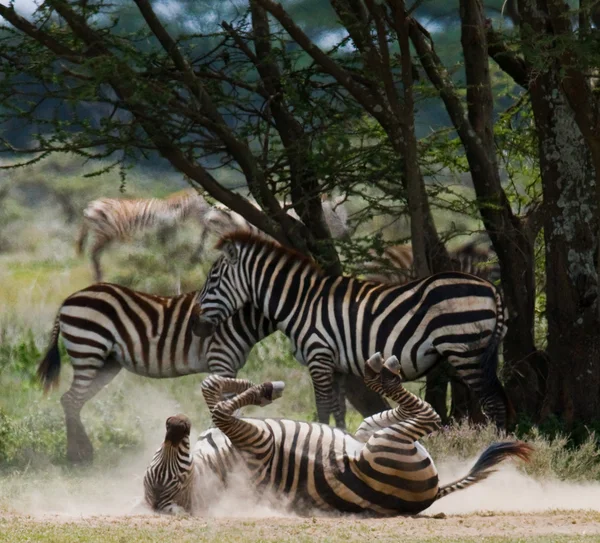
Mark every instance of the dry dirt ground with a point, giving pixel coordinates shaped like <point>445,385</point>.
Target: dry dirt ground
<point>508,507</point>
<point>546,526</point>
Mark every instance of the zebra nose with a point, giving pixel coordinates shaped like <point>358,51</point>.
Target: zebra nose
<point>203,328</point>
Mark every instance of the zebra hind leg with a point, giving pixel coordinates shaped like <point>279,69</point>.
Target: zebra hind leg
<point>492,396</point>
<point>87,382</point>
<point>215,388</point>
<point>415,416</point>
<point>100,244</point>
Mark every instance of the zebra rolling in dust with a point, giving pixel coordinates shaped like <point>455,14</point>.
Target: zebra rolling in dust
<point>380,471</point>
<point>113,219</point>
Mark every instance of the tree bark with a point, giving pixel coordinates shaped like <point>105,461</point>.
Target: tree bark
<point>569,184</point>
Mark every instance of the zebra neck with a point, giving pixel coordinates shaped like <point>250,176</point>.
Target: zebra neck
<point>176,457</point>
<point>284,295</point>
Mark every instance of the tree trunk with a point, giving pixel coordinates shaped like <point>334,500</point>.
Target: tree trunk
<point>570,232</point>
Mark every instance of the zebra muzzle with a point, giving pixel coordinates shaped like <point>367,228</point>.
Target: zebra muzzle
<point>200,326</point>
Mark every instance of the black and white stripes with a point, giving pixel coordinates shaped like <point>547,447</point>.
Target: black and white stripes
<point>302,466</point>
<point>107,327</point>
<point>334,322</point>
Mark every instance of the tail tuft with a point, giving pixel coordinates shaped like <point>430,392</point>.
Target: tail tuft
<point>48,370</point>
<point>483,468</point>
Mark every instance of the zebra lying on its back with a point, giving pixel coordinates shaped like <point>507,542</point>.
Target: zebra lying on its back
<point>381,471</point>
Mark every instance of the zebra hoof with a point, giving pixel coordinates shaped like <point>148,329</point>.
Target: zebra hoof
<point>271,392</point>
<point>375,362</point>
<point>393,365</point>
<point>278,387</point>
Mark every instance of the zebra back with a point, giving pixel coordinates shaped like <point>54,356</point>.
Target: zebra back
<point>150,335</point>
<point>395,265</point>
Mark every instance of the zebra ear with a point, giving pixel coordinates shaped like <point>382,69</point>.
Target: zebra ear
<point>230,250</point>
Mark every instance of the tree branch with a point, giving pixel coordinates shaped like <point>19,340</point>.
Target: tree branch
<point>508,60</point>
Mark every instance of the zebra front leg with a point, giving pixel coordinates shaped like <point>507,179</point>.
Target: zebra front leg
<point>415,415</point>
<point>325,398</point>
<point>339,395</point>
<point>248,436</point>
<point>88,380</point>
<point>214,387</point>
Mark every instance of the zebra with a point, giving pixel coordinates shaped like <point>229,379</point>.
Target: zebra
<point>179,480</point>
<point>395,264</point>
<point>333,322</point>
<point>107,327</point>
<point>381,471</point>
<point>221,220</point>
<point>112,219</point>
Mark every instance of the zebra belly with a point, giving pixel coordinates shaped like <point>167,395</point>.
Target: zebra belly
<point>162,367</point>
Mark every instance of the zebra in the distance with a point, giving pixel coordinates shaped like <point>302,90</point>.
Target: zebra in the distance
<point>395,264</point>
<point>335,321</point>
<point>221,220</point>
<point>118,219</point>
<point>107,327</point>
<point>381,471</point>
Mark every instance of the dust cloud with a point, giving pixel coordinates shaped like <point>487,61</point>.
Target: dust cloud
<point>509,490</point>
<point>117,491</point>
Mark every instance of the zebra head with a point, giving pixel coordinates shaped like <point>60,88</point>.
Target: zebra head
<point>168,479</point>
<point>224,292</point>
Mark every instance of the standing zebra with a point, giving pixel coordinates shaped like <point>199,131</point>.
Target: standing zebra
<point>112,219</point>
<point>108,327</point>
<point>333,322</point>
<point>395,264</point>
<point>381,471</point>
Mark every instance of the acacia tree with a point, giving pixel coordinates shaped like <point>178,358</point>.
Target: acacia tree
<point>245,100</point>
<point>189,99</point>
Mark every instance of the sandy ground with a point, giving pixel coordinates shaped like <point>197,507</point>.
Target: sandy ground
<point>490,524</point>
<point>509,504</point>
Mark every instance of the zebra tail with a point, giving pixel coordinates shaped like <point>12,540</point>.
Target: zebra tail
<point>48,370</point>
<point>493,455</point>
<point>81,238</point>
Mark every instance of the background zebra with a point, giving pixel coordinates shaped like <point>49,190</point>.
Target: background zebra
<point>221,220</point>
<point>382,471</point>
<point>108,327</point>
<point>395,264</point>
<point>113,219</point>
<point>333,322</point>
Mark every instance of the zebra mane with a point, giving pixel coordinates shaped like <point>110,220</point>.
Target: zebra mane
<point>250,238</point>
